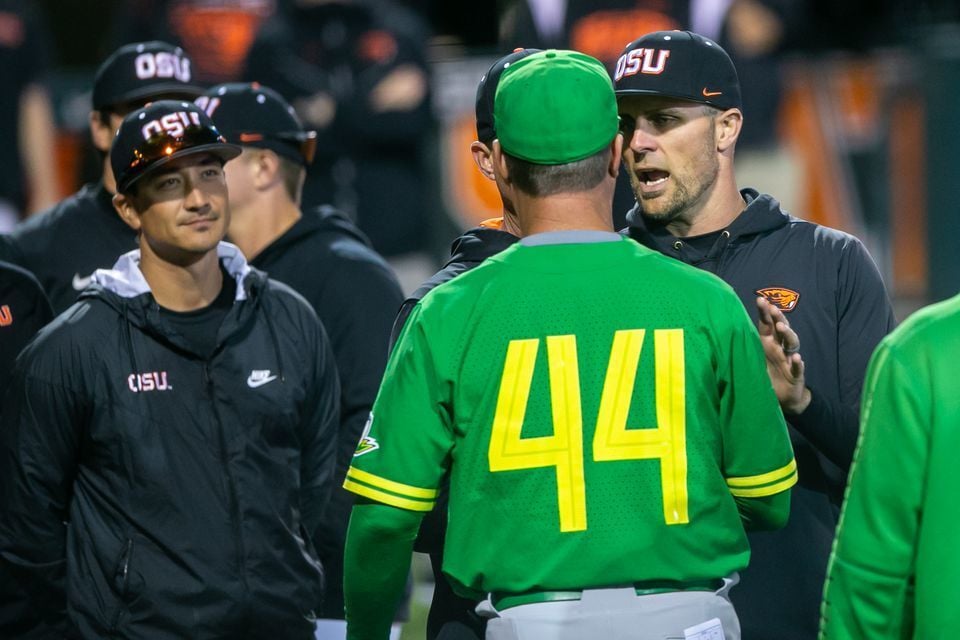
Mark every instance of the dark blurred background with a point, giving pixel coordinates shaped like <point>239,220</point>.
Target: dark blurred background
<point>850,105</point>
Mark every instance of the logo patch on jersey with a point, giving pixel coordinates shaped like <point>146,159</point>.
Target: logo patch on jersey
<point>150,381</point>
<point>6,316</point>
<point>367,442</point>
<point>260,377</point>
<point>784,299</point>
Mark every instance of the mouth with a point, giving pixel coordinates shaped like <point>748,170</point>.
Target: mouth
<point>199,222</point>
<point>653,178</point>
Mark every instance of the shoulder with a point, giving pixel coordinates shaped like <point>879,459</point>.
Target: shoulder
<point>49,222</point>
<point>284,303</point>
<point>931,329</point>
<point>72,342</point>
<point>19,278</point>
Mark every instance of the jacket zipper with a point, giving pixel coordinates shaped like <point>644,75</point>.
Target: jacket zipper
<point>121,577</point>
<point>231,481</point>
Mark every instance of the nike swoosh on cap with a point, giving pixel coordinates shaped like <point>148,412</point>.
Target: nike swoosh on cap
<point>80,283</point>
<point>710,94</point>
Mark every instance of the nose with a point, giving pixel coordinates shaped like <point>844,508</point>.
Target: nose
<point>196,197</point>
<point>641,140</point>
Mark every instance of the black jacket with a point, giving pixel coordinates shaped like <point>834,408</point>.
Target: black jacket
<point>326,259</point>
<point>840,315</point>
<point>451,616</point>
<point>189,484</point>
<point>466,252</point>
<point>64,245</point>
<point>24,309</point>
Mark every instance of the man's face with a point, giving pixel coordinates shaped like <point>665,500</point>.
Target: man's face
<point>239,179</point>
<point>670,154</point>
<point>182,210</point>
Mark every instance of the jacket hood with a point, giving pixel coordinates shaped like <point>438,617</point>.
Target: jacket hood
<point>762,214</point>
<point>125,279</point>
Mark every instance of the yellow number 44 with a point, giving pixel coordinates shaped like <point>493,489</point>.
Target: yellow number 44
<point>612,440</point>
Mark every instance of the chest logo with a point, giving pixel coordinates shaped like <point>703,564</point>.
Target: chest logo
<point>784,299</point>
<point>150,381</point>
<point>259,377</point>
<point>6,316</point>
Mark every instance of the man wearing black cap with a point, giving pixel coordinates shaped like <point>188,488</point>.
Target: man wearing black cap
<point>679,102</point>
<point>64,245</point>
<point>327,260</point>
<point>450,614</point>
<point>180,417</point>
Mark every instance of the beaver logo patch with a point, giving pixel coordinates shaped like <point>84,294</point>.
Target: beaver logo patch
<point>784,299</point>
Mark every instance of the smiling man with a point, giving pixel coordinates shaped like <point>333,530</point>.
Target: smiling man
<point>679,102</point>
<point>180,418</point>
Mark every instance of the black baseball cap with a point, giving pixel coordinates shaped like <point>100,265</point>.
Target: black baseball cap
<point>487,91</point>
<point>153,135</point>
<point>140,71</point>
<point>678,64</point>
<point>251,114</point>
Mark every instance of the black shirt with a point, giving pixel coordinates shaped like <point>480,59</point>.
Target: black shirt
<point>200,326</point>
<point>64,245</point>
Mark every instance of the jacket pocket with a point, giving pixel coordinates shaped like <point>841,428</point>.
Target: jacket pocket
<point>121,582</point>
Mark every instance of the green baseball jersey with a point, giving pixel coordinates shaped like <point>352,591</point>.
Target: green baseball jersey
<point>895,570</point>
<point>598,407</point>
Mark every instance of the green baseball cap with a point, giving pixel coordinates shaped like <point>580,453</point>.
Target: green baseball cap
<point>555,107</point>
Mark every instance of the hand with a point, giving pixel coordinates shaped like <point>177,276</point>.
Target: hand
<point>781,345</point>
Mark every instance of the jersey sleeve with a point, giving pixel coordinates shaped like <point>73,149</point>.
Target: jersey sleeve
<point>405,447</point>
<point>868,582</point>
<point>757,455</point>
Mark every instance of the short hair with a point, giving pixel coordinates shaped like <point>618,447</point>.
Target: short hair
<point>293,175</point>
<point>551,179</point>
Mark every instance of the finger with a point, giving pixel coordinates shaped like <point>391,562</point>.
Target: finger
<point>788,338</point>
<point>797,366</point>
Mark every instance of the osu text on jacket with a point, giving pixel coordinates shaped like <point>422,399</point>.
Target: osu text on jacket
<point>190,486</point>
<point>832,294</point>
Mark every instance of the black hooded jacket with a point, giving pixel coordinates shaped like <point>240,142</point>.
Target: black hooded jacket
<point>327,260</point>
<point>64,245</point>
<point>834,298</point>
<point>190,484</point>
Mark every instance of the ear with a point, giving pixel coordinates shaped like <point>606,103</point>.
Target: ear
<point>728,126</point>
<point>264,168</point>
<point>616,149</point>
<point>499,163</point>
<point>482,156</point>
<point>126,209</point>
<point>101,134</point>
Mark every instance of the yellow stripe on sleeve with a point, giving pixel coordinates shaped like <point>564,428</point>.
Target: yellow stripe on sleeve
<point>386,498</point>
<point>764,478</point>
<point>768,490</point>
<point>406,490</point>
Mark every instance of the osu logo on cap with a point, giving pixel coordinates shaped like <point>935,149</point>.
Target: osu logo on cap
<point>643,60</point>
<point>173,123</point>
<point>784,299</point>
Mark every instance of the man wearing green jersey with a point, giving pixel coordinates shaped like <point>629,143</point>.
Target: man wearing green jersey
<point>894,571</point>
<point>606,445</point>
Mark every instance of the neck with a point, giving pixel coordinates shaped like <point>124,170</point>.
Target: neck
<point>564,212</point>
<point>258,224</point>
<point>510,223</point>
<point>181,287</point>
<point>716,210</point>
